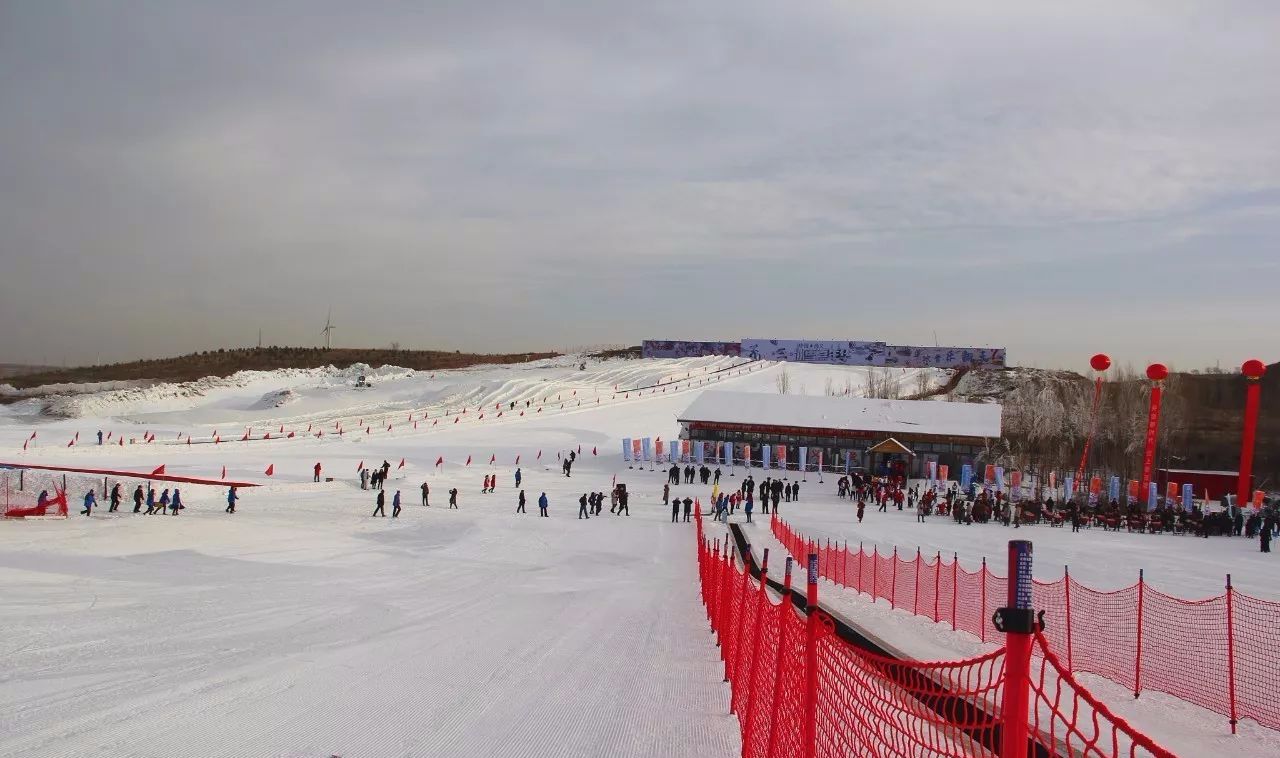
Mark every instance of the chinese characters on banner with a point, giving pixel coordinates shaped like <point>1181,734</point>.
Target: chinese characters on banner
<point>687,349</point>
<point>816,351</point>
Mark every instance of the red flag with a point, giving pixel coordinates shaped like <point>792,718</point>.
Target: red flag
<point>110,433</point>
<point>440,461</point>
<point>579,449</point>
<point>282,428</point>
<point>517,460</point>
<point>468,460</point>
<point>77,436</point>
<point>271,469</point>
<point>415,425</point>
<point>215,433</point>
<point>121,441</point>
<point>521,413</point>
<point>433,423</point>
<point>33,436</point>
<point>360,467</point>
<point>224,472</point>
<point>266,436</point>
<point>493,458</point>
<point>159,471</point>
<point>455,419</point>
<point>481,417</point>
<point>289,436</point>
<point>366,429</point>
<point>25,443</point>
<point>401,463</point>
<point>593,451</point>
<point>308,427</point>
<point>388,427</point>
<point>71,443</point>
<point>539,455</point>
<point>499,414</point>
<point>216,440</point>
<point>245,438</point>
<point>539,410</point>
<point>188,440</point>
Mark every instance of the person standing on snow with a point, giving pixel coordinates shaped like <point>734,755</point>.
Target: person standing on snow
<point>622,502</point>
<point>666,493</point>
<point>99,436</point>
<point>317,469</point>
<point>426,490</point>
<point>232,497</point>
<point>164,501</point>
<point>453,498</point>
<point>582,507</point>
<point>176,505</point>
<point>675,511</point>
<point>747,510</point>
<point>520,507</point>
<point>382,504</point>
<point>517,478</point>
<point>151,501</point>
<point>115,498</point>
<point>90,500</point>
<point>717,476</point>
<point>137,499</point>
<point>542,505</point>
<point>395,505</point>
<point>688,509</point>
<point>364,478</point>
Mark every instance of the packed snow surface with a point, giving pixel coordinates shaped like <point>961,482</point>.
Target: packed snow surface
<point>301,626</point>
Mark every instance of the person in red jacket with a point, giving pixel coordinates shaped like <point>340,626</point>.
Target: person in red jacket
<point>317,471</point>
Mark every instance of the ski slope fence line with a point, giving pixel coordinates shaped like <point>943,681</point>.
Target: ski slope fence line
<point>801,691</point>
<point>1218,653</point>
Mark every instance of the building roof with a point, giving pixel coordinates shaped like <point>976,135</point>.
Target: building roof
<point>890,445</point>
<point>933,417</point>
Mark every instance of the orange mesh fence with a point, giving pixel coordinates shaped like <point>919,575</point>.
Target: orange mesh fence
<point>801,690</point>
<point>1218,653</point>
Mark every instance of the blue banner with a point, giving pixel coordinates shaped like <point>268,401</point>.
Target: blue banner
<point>966,476</point>
<point>1188,497</point>
<point>646,447</point>
<point>765,455</point>
<point>1153,497</point>
<point>1113,491</point>
<point>804,458</point>
<point>999,478</point>
<point>1068,487</point>
<point>626,449</point>
<point>699,452</point>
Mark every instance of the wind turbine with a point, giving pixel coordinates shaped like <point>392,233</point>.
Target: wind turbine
<point>328,328</point>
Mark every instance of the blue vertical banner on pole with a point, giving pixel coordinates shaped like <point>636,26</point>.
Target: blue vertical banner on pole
<point>699,452</point>
<point>1068,487</point>
<point>1113,490</point>
<point>999,478</point>
<point>1152,496</point>
<point>645,448</point>
<point>765,451</point>
<point>966,476</point>
<point>848,455</point>
<point>804,458</point>
<point>626,449</point>
<point>1188,496</point>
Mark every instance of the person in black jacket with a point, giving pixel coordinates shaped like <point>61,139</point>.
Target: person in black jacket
<point>675,510</point>
<point>520,507</point>
<point>453,498</point>
<point>582,507</point>
<point>137,499</point>
<point>382,504</point>
<point>115,498</point>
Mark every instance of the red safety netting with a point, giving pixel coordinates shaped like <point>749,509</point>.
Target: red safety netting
<point>20,502</point>
<point>801,690</point>
<point>1218,653</point>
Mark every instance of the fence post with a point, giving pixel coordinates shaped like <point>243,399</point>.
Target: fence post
<point>763,602</point>
<point>982,619</point>
<point>859,567</point>
<point>915,603</point>
<point>811,662</point>
<point>742,609</point>
<point>893,580</point>
<point>1231,654</point>
<point>955,577</point>
<point>1137,659</point>
<point>783,609</point>
<point>937,584</point>
<point>844,565</point>
<point>875,572</point>
<point>1017,621</point>
<point>1066,583</point>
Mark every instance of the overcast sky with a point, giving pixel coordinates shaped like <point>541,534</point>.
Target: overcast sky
<point>1057,178</point>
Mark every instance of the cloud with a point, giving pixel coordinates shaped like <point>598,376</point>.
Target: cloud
<point>503,175</point>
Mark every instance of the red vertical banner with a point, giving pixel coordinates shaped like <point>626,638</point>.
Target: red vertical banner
<point>990,475</point>
<point>1133,490</point>
<point>636,451</point>
<point>1170,492</point>
<point>1253,370</point>
<point>943,470</point>
<point>1153,425</point>
<point>782,456</point>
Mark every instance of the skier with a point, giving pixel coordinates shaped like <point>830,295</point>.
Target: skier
<point>382,504</point>
<point>232,497</point>
<point>517,478</point>
<point>176,505</point>
<point>115,498</point>
<point>426,490</point>
<point>542,505</point>
<point>520,507</point>
<point>453,498</point>
<point>90,500</point>
<point>137,499</point>
<point>395,505</point>
<point>582,507</point>
<point>317,469</point>
<point>688,509</point>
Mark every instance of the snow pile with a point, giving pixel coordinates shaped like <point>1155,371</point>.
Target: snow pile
<point>277,398</point>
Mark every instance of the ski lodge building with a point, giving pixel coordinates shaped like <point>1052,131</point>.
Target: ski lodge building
<point>879,436</point>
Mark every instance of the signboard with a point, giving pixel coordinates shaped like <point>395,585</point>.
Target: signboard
<point>687,349</point>
<point>840,353</point>
<point>906,356</point>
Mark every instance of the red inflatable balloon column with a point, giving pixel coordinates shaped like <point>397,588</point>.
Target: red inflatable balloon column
<point>1157,373</point>
<point>1099,363</point>
<point>1253,370</point>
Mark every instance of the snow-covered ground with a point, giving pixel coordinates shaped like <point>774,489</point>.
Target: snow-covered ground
<point>302,627</point>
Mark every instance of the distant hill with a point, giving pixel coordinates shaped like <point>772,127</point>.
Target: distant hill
<point>187,368</point>
<point>18,369</point>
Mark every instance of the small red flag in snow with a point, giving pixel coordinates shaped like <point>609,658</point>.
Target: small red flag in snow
<point>121,441</point>
<point>388,427</point>
<point>271,469</point>
<point>71,443</point>
<point>216,440</point>
<point>77,436</point>
<point>517,460</point>
<point>33,436</point>
<point>245,438</point>
<point>366,429</point>
<point>266,436</point>
<point>109,435</point>
<point>468,460</point>
<point>440,461</point>
<point>415,425</point>
<point>455,419</point>
<point>521,413</point>
<point>593,451</point>
<point>539,410</point>
<point>224,472</point>
<point>308,427</point>
<point>24,444</point>
<point>188,440</point>
<point>539,455</point>
<point>159,471</point>
<point>282,429</point>
<point>288,436</point>
<point>481,417</point>
<point>493,458</point>
<point>499,414</point>
<point>359,466</point>
<point>433,423</point>
<point>401,463</point>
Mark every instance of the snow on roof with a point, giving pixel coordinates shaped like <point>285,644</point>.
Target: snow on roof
<point>846,413</point>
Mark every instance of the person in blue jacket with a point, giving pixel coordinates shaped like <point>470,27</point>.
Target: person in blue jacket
<point>151,501</point>
<point>517,478</point>
<point>395,505</point>
<point>232,497</point>
<point>177,505</point>
<point>164,502</point>
<point>747,510</point>
<point>90,500</point>
<point>542,505</point>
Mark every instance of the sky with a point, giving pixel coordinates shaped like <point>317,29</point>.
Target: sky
<point>1058,179</point>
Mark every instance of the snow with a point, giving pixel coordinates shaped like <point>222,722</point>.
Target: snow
<point>846,413</point>
<point>302,627</point>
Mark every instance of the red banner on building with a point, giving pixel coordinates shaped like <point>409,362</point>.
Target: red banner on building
<point>1153,427</point>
